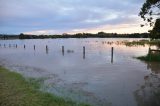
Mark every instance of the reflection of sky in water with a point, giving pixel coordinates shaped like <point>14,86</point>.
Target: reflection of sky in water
<point>94,77</point>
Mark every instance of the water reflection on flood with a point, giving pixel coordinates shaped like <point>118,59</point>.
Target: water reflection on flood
<point>149,93</point>
<point>83,69</point>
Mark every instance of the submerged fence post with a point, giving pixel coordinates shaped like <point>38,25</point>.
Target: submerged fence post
<point>46,49</point>
<point>24,46</point>
<point>149,54</point>
<point>112,54</point>
<point>63,50</point>
<point>84,52</point>
<point>16,45</point>
<point>34,47</point>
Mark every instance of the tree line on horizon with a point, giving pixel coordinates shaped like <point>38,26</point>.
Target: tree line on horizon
<point>77,35</point>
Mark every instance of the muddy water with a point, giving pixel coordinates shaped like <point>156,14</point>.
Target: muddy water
<point>89,77</point>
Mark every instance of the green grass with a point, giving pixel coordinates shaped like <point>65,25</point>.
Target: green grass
<point>16,91</point>
<point>151,57</point>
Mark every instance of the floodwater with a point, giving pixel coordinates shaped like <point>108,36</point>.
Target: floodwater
<point>91,76</point>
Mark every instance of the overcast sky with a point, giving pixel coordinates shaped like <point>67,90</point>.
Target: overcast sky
<point>70,16</point>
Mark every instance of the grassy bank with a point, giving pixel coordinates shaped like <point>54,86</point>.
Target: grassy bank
<point>16,91</point>
<point>150,57</point>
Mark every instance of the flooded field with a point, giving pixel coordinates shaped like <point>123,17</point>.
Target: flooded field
<point>92,75</point>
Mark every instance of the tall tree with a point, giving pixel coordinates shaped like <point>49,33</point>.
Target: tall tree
<point>150,12</point>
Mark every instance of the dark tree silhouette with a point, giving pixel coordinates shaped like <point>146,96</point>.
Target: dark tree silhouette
<point>155,33</point>
<point>150,12</point>
<point>150,9</point>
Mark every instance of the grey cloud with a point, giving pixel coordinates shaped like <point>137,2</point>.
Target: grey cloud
<point>28,15</point>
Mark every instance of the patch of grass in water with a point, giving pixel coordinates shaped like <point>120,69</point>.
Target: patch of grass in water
<point>150,57</point>
<point>36,83</point>
<point>16,91</point>
<point>142,42</point>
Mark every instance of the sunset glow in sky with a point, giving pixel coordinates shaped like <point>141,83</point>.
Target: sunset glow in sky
<point>70,16</point>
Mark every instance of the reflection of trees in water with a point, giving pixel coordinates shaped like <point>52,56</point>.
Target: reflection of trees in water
<point>154,66</point>
<point>149,93</point>
<point>158,46</point>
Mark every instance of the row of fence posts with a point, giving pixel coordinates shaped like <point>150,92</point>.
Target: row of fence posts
<point>15,45</point>
<point>63,51</point>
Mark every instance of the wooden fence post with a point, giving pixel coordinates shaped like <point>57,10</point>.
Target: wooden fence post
<point>112,54</point>
<point>34,47</point>
<point>84,52</point>
<point>46,49</point>
<point>149,54</point>
<point>63,50</point>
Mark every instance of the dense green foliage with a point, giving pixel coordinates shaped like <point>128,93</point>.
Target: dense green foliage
<point>16,91</point>
<point>155,33</point>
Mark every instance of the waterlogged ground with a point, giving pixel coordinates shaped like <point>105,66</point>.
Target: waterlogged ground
<point>90,78</point>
